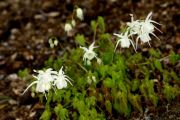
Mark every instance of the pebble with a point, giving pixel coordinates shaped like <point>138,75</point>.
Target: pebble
<point>53,14</point>
<point>168,46</point>
<point>13,102</point>
<point>32,114</point>
<point>12,76</point>
<point>39,17</point>
<point>15,31</point>
<point>1,77</point>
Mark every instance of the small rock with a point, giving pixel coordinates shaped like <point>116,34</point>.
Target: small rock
<point>53,14</point>
<point>32,114</point>
<point>12,76</point>
<point>1,76</point>
<point>28,26</point>
<point>39,17</point>
<point>13,102</point>
<point>168,46</point>
<point>15,31</point>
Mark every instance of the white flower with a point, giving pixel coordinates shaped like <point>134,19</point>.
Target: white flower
<point>53,42</point>
<point>99,61</point>
<point>147,28</point>
<point>89,54</point>
<point>79,13</point>
<point>91,79</point>
<point>143,29</point>
<point>144,38</point>
<point>68,27</point>
<point>134,26</point>
<point>44,80</point>
<point>124,40</point>
<point>61,79</point>
<point>73,22</point>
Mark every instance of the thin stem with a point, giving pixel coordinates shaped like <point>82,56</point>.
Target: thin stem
<point>94,36</point>
<point>82,67</point>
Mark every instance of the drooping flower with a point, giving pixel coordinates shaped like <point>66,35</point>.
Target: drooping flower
<point>124,40</point>
<point>73,22</point>
<point>91,79</point>
<point>68,27</point>
<point>134,26</point>
<point>48,79</point>
<point>61,79</point>
<point>53,42</point>
<point>89,54</point>
<point>146,29</point>
<point>79,13</point>
<point>147,24</point>
<point>44,80</point>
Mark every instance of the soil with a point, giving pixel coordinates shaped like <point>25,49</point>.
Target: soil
<point>26,26</point>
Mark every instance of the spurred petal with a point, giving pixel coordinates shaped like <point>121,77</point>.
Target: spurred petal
<point>30,86</point>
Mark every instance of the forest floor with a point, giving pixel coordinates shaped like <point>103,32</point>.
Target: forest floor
<point>26,26</point>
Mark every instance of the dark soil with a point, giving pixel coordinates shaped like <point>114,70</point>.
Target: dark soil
<point>26,26</point>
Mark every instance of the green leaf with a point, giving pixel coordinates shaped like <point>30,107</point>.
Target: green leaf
<point>108,106</point>
<point>106,43</point>
<point>120,63</point>
<point>154,99</point>
<point>166,77</point>
<point>46,115</point>
<point>93,114</point>
<point>81,82</point>
<point>107,57</point>
<point>158,65</point>
<point>61,112</point>
<point>109,83</point>
<point>154,53</point>
<point>82,117</point>
<point>122,86</point>
<point>49,62</point>
<point>175,76</point>
<point>80,39</point>
<point>49,97</point>
<point>79,105</point>
<point>121,104</point>
<point>23,73</point>
<point>135,59</point>
<point>135,101</point>
<point>94,25</point>
<point>76,55</point>
<point>101,23</point>
<point>58,96</point>
<point>103,70</point>
<point>174,57</point>
<point>143,90</point>
<point>135,85</point>
<point>90,101</point>
<point>105,36</point>
<point>170,92</point>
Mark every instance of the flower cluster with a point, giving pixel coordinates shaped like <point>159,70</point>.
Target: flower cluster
<point>53,41</point>
<point>69,25</point>
<point>141,28</point>
<point>48,79</point>
<point>89,54</point>
<point>58,80</point>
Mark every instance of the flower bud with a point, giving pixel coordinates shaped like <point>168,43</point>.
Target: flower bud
<point>79,13</point>
<point>68,27</point>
